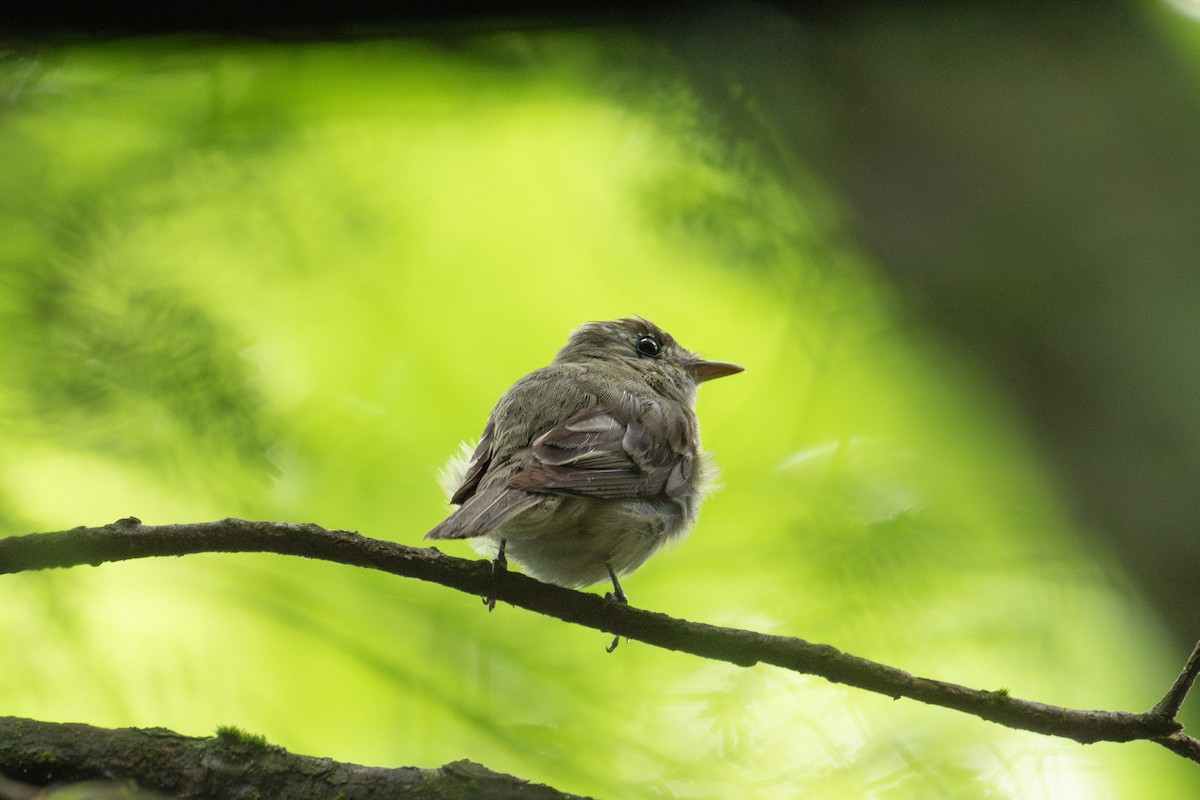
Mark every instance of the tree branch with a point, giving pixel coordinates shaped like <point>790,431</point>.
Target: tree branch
<point>42,753</point>
<point>128,539</point>
<point>1170,704</point>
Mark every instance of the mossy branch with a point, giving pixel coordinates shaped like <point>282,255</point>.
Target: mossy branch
<point>231,764</point>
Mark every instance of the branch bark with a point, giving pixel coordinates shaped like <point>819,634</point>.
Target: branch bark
<point>128,539</point>
<point>1170,704</point>
<point>231,764</point>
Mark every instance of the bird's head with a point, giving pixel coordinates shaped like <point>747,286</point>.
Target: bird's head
<point>636,349</point>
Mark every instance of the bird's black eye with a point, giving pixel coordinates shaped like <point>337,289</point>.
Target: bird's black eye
<point>648,346</point>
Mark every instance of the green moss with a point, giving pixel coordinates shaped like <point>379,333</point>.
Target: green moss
<point>231,734</point>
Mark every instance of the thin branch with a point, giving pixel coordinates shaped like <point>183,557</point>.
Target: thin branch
<point>127,539</point>
<point>41,753</point>
<point>1183,745</point>
<point>1171,703</point>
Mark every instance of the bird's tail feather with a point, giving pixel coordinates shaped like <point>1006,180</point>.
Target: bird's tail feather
<point>484,512</point>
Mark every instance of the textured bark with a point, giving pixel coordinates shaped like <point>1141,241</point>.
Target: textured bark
<point>128,538</point>
<point>230,764</point>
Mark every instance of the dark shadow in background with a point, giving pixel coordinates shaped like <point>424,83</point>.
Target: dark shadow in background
<point>1029,177</point>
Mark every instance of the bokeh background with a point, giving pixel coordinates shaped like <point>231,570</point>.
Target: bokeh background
<point>282,276</point>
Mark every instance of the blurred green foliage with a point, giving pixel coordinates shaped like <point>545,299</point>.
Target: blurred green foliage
<point>283,281</point>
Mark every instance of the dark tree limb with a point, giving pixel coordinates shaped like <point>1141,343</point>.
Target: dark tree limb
<point>231,764</point>
<point>1170,704</point>
<point>128,539</point>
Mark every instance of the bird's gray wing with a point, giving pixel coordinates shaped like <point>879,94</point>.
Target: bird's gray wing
<point>595,454</point>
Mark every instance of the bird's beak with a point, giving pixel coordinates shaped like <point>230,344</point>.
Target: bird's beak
<point>708,370</point>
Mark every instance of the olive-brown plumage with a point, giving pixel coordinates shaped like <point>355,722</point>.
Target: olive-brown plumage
<point>588,466</point>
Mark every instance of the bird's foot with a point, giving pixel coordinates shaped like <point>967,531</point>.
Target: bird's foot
<point>499,567</point>
<point>617,595</point>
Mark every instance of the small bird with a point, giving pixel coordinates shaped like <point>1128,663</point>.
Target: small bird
<point>588,466</point>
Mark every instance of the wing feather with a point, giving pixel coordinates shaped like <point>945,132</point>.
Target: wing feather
<point>594,454</point>
<point>481,459</point>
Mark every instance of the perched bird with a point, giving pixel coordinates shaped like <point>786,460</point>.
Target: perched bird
<point>589,465</point>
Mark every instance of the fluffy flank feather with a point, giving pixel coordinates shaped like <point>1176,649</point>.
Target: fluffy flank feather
<point>454,471</point>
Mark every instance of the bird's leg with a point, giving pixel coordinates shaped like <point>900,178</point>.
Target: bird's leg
<point>617,595</point>
<point>499,565</point>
